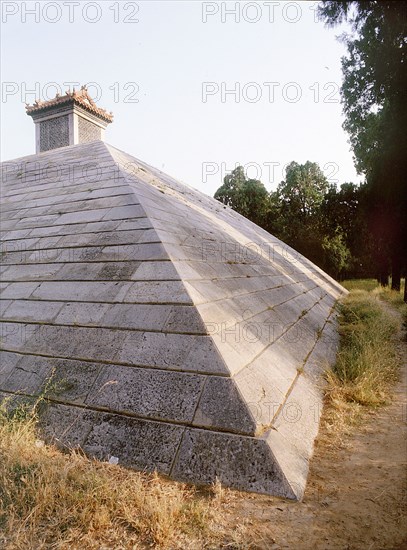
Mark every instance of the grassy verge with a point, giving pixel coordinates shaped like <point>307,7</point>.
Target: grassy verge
<point>55,500</point>
<point>392,297</point>
<point>367,364</point>
<point>371,285</point>
<point>360,284</point>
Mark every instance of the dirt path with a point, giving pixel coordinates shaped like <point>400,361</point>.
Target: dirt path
<point>356,496</point>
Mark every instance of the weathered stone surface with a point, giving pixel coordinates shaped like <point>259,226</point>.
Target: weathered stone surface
<point>31,272</point>
<point>85,291</point>
<point>28,377</point>
<point>158,292</point>
<point>81,313</point>
<point>185,319</point>
<point>18,290</point>
<point>222,407</point>
<point>67,426</point>
<point>266,381</point>
<point>238,461</point>
<point>169,331</point>
<point>150,393</point>
<point>4,304</point>
<point>171,351</point>
<point>138,443</point>
<point>32,310</point>
<point>8,361</point>
<point>98,271</point>
<point>64,379</point>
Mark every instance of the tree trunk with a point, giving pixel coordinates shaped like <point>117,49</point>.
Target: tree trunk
<point>396,273</point>
<point>405,288</point>
<point>384,278</point>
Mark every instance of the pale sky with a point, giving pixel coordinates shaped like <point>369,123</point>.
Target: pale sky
<point>195,87</point>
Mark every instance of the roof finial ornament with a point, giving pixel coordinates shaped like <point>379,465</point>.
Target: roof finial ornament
<point>80,98</point>
<point>74,117</point>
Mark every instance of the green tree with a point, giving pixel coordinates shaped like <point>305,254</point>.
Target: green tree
<point>373,94</point>
<point>300,197</point>
<point>249,197</point>
<point>303,190</point>
<point>228,193</point>
<point>345,210</point>
<point>337,254</point>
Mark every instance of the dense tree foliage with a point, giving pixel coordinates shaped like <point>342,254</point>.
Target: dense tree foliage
<point>374,94</point>
<point>246,196</point>
<point>299,198</point>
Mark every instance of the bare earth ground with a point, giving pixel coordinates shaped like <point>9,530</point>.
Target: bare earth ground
<point>356,496</point>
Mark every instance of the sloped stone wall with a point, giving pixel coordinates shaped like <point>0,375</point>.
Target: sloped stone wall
<point>185,338</point>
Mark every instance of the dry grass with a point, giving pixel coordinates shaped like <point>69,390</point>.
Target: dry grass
<point>391,296</point>
<point>394,298</point>
<point>371,285</point>
<point>367,364</point>
<point>54,500</point>
<point>360,284</point>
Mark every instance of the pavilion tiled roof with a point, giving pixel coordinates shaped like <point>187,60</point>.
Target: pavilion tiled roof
<point>80,97</point>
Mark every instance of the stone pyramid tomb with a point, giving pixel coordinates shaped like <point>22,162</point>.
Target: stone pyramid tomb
<point>178,336</point>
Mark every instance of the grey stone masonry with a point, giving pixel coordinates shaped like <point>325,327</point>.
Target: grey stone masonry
<point>180,336</point>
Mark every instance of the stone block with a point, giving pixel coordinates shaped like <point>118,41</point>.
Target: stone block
<point>91,291</point>
<point>81,313</point>
<point>185,319</point>
<point>148,393</point>
<point>136,316</point>
<point>141,444</point>
<point>14,291</point>
<point>222,407</point>
<point>8,362</point>
<point>243,462</point>
<point>32,310</point>
<point>67,426</point>
<point>171,351</point>
<point>157,292</point>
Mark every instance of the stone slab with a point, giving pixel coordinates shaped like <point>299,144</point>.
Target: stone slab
<point>148,393</point>
<point>32,310</point>
<point>222,407</point>
<point>242,462</point>
<point>171,351</point>
<point>140,444</point>
<point>8,362</point>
